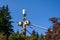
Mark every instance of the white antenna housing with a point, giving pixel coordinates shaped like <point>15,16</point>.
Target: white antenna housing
<point>23,11</point>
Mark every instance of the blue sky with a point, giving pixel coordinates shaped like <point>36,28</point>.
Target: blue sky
<point>38,12</point>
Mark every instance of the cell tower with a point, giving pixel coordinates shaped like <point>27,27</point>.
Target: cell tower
<point>26,22</point>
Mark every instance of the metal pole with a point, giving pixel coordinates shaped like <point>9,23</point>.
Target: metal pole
<point>27,22</point>
<point>24,25</point>
<point>24,28</point>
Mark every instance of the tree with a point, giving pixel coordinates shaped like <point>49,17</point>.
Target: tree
<point>33,32</point>
<point>5,21</point>
<point>41,37</point>
<point>16,36</point>
<point>35,35</point>
<point>2,37</point>
<point>54,33</point>
<point>54,19</point>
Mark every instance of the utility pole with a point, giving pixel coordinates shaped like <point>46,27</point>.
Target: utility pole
<point>24,22</point>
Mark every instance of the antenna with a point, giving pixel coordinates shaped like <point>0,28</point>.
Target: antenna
<point>26,22</point>
<point>24,12</point>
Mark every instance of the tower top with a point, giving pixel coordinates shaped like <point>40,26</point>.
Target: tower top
<point>24,11</point>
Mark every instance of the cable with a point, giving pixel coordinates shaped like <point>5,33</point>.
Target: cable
<point>39,26</point>
<point>28,32</point>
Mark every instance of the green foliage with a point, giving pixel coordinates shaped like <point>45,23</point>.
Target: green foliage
<point>41,37</point>
<point>35,34</point>
<point>5,21</point>
<point>33,38</point>
<point>2,37</point>
<point>16,36</point>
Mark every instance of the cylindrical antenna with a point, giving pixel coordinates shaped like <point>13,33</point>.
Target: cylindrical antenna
<point>24,12</point>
